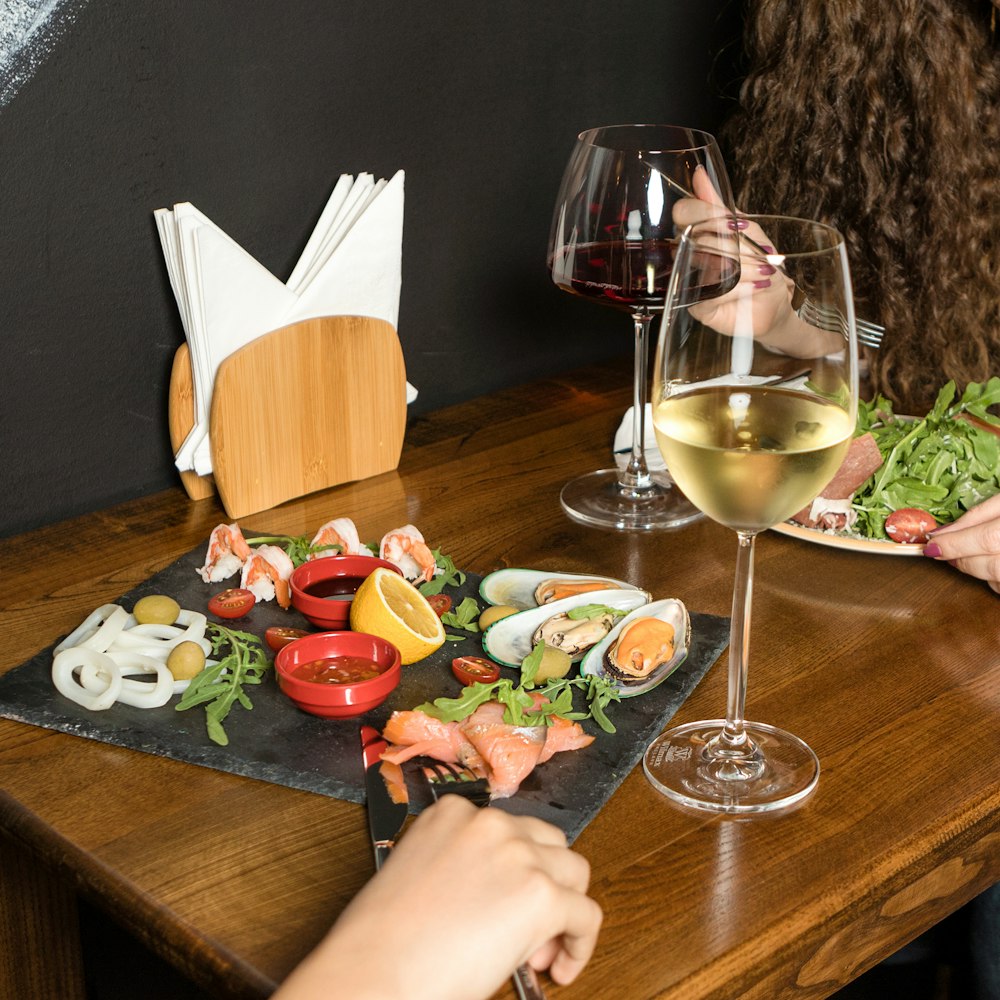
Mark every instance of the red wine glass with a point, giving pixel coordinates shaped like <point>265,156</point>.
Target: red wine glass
<point>613,240</point>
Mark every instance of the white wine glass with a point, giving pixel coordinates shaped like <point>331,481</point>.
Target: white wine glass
<point>613,241</point>
<point>751,297</point>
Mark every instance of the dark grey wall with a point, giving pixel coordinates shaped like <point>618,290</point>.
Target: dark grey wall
<point>250,109</point>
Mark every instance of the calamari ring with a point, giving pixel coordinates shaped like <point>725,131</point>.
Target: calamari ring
<point>109,645</point>
<point>157,652</point>
<point>67,661</point>
<point>107,631</point>
<point>88,628</point>
<point>144,637</point>
<point>139,694</point>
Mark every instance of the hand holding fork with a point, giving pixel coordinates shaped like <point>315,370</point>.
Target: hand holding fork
<point>703,204</point>
<point>488,887</point>
<point>446,780</point>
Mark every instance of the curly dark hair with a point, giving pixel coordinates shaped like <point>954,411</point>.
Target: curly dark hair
<point>883,119</point>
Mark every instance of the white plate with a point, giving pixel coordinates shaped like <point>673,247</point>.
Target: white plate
<point>872,545</point>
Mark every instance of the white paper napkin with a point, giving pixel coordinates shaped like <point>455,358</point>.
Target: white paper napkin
<point>362,274</point>
<point>623,442</point>
<point>351,265</point>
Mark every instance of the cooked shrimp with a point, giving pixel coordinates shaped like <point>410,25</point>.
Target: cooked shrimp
<point>340,531</point>
<point>227,552</point>
<point>266,573</point>
<point>405,548</point>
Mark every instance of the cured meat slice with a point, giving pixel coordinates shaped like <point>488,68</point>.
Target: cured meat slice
<point>861,460</point>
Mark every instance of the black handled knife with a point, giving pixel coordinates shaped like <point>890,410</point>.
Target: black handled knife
<point>387,807</point>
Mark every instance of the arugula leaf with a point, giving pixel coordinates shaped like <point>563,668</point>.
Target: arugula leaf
<point>220,686</point>
<point>298,547</point>
<point>456,709</point>
<point>593,611</point>
<point>450,575</point>
<point>464,616</point>
<point>531,663</point>
<point>521,707</point>
<point>599,693</point>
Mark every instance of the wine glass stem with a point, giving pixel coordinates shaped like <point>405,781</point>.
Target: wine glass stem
<point>734,735</point>
<point>635,476</point>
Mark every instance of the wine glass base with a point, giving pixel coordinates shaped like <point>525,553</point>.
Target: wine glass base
<point>681,766</point>
<point>599,499</point>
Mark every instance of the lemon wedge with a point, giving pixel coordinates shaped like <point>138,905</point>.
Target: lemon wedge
<point>389,607</point>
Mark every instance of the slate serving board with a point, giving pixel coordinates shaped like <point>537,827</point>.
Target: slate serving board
<point>278,743</point>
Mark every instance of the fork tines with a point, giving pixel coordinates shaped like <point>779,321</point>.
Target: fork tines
<point>448,779</point>
<point>869,334</point>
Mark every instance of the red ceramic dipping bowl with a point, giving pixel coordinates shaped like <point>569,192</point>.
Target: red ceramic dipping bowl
<point>337,701</point>
<point>322,589</point>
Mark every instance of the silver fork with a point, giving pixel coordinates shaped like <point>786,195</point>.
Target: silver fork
<point>447,779</point>
<point>870,334</point>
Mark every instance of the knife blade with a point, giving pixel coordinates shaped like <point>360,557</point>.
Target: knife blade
<point>386,815</point>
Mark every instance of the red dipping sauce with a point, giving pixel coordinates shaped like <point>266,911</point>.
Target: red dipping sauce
<point>337,670</point>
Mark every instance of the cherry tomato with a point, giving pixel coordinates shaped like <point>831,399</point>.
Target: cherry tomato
<point>441,603</point>
<point>277,636</point>
<point>909,524</point>
<point>473,669</point>
<point>233,603</point>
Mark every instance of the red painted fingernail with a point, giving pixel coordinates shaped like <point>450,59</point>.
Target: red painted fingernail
<point>766,248</point>
<point>932,550</point>
<point>766,283</point>
<point>766,269</point>
<point>735,224</point>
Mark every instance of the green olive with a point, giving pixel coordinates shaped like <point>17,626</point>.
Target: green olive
<point>555,663</point>
<point>156,610</point>
<point>494,614</point>
<point>185,660</point>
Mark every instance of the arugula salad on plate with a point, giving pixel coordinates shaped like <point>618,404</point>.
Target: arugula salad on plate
<point>927,471</point>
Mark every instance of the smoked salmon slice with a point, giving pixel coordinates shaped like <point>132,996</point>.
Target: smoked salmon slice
<point>395,783</point>
<point>503,753</point>
<point>412,734</point>
<point>563,735</point>
<point>510,752</point>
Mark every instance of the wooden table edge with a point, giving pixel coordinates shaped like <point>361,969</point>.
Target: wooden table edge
<point>217,969</point>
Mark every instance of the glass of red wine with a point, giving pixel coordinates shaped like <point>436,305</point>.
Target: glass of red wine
<point>614,235</point>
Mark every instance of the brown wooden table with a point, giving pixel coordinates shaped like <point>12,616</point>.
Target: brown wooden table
<point>888,667</point>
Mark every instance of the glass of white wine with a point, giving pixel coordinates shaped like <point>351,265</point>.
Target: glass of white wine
<point>754,301</point>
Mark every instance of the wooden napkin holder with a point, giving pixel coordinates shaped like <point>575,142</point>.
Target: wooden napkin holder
<point>300,409</point>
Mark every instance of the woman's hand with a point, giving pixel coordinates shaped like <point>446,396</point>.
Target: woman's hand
<point>760,305</point>
<point>972,543</point>
<point>467,896</point>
